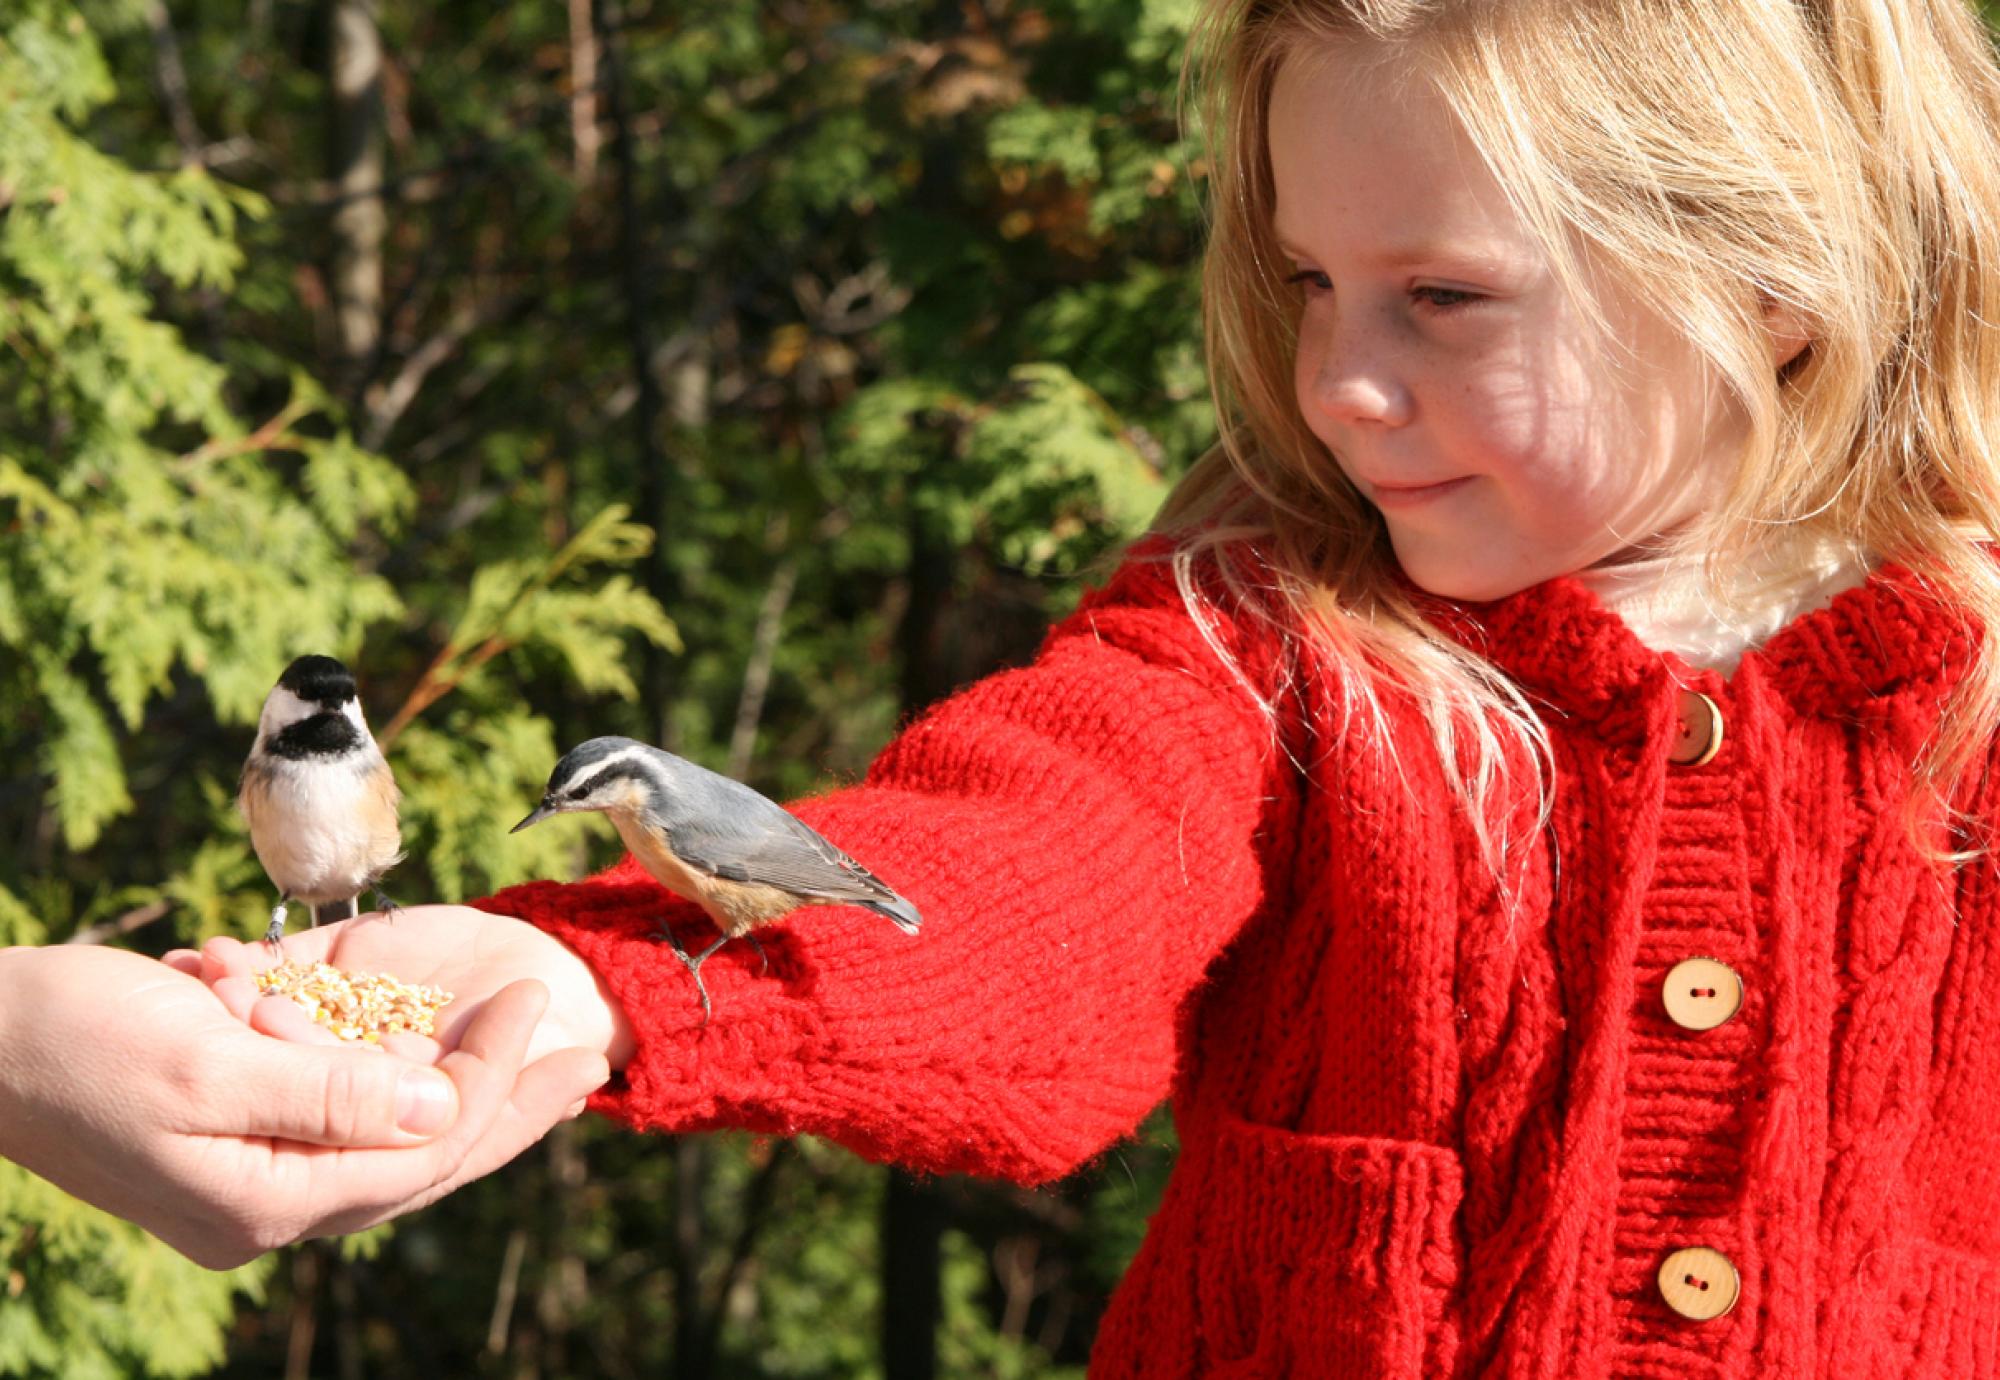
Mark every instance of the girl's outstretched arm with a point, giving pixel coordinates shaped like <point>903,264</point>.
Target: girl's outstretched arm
<point>1083,836</point>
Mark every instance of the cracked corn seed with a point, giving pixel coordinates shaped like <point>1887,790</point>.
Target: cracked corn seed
<point>357,1006</point>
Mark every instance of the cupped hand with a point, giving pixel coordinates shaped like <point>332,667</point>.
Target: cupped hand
<point>130,1084</point>
<point>470,953</point>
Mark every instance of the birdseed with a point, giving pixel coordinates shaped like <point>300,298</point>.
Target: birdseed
<point>357,1006</point>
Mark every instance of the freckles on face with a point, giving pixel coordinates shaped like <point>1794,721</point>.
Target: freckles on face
<point>1443,365</point>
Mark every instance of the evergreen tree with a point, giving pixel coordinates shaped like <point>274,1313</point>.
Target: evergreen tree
<point>881,317</point>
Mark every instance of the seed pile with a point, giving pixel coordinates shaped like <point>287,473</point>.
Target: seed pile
<point>357,1006</point>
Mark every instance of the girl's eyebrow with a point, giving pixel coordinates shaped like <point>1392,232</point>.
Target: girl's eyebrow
<point>1471,255</point>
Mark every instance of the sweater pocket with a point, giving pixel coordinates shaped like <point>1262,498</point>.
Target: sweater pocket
<point>1917,1311</point>
<point>1327,1256</point>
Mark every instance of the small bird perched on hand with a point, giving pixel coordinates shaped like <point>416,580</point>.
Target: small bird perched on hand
<point>318,794</point>
<point>744,859</point>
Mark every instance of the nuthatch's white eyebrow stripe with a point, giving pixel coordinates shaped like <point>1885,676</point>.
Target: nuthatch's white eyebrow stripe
<point>598,768</point>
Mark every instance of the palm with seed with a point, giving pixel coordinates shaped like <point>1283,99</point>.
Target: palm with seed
<point>472,954</point>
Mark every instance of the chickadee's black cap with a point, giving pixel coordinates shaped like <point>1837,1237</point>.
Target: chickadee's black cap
<point>319,680</point>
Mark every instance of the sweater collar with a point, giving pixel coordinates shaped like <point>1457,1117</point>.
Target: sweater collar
<point>1558,641</point>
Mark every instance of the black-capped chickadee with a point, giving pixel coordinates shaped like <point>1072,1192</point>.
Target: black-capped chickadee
<point>318,795</point>
<point>744,859</point>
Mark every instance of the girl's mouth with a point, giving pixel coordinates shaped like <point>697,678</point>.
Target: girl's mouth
<point>1410,496</point>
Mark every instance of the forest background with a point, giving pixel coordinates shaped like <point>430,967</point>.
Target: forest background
<point>740,375</point>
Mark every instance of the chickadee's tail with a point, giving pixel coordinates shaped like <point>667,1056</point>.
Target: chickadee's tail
<point>902,912</point>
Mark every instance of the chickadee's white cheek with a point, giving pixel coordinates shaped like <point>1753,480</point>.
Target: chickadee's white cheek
<point>281,708</point>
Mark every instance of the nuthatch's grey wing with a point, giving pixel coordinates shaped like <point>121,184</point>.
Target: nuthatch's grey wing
<point>765,843</point>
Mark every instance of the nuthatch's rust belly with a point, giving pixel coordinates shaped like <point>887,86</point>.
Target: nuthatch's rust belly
<point>735,907</point>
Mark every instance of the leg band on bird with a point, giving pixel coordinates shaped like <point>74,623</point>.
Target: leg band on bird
<point>279,913</point>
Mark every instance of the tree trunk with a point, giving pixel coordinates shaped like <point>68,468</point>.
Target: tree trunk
<point>912,1214</point>
<point>912,1227</point>
<point>356,172</point>
<point>655,496</point>
<point>691,1325</point>
<point>583,92</point>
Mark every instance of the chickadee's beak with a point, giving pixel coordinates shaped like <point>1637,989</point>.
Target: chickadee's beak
<point>540,813</point>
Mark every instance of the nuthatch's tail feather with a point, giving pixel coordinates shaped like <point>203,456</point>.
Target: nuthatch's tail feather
<point>902,912</point>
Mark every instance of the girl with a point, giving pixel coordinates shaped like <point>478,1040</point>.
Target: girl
<point>1526,802</point>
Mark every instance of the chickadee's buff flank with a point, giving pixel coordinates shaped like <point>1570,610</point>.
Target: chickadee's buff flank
<point>317,793</point>
<point>741,857</point>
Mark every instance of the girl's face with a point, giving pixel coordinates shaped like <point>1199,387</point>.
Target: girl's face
<point>1440,360</point>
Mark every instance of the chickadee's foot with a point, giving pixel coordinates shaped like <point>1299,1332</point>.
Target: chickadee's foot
<point>276,931</point>
<point>762,957</point>
<point>384,903</point>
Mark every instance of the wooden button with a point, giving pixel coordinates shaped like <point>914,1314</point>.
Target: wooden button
<point>1697,731</point>
<point>1701,993</point>
<point>1699,1283</point>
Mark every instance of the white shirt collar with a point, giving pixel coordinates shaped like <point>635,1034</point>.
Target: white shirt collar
<point>1667,604</point>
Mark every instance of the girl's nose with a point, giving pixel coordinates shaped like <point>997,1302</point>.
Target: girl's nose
<point>1350,383</point>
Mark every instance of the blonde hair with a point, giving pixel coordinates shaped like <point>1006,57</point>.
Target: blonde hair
<point>1839,159</point>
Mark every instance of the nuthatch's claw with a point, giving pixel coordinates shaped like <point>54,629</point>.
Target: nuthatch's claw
<point>694,963</point>
<point>701,990</point>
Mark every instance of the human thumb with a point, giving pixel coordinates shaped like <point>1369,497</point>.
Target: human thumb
<point>344,1097</point>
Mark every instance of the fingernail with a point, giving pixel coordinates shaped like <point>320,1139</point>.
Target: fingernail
<point>423,1102</point>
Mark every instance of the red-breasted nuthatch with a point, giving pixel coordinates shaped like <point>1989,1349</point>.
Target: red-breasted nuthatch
<point>318,795</point>
<point>744,859</point>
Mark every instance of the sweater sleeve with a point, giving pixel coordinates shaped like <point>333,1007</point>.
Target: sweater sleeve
<point>1083,836</point>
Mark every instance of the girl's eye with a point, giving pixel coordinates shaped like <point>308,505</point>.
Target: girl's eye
<point>1312,278</point>
<point>1442,298</point>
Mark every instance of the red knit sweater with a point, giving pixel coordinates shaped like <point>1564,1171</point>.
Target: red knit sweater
<point>1416,1139</point>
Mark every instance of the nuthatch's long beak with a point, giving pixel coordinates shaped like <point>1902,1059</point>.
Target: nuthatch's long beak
<point>540,813</point>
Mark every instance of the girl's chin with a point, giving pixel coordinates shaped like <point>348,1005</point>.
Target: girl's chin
<point>1464,581</point>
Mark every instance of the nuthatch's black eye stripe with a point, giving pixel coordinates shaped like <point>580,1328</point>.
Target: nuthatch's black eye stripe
<point>322,735</point>
<point>616,771</point>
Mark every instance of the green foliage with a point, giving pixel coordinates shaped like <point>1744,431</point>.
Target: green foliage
<point>165,558</point>
<point>84,1295</point>
<point>917,289</point>
<point>1046,139</point>
<point>967,1342</point>
<point>471,779</point>
<point>517,603</point>
<point>18,924</point>
<point>819,1261</point>
<point>1064,474</point>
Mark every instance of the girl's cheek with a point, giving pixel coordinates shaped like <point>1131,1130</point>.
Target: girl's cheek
<point>1315,347</point>
<point>1305,376</point>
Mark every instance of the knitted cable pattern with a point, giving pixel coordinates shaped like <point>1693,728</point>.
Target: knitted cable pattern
<point>1421,1136</point>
